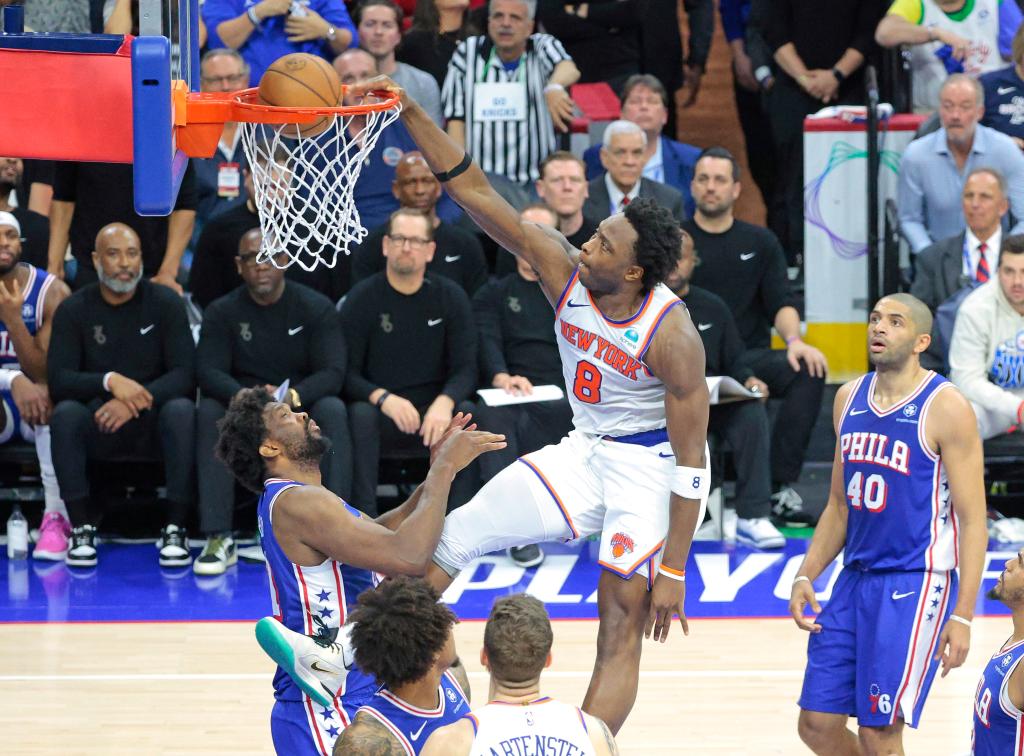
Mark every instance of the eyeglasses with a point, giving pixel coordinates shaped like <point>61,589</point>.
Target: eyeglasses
<point>230,79</point>
<point>414,241</point>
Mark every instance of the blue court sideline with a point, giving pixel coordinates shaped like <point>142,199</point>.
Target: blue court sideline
<point>129,586</point>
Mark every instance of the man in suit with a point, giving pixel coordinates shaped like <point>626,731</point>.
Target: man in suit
<point>622,156</point>
<point>967,259</point>
<point>645,102</point>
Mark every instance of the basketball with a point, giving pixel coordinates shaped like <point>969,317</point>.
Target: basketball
<point>301,80</point>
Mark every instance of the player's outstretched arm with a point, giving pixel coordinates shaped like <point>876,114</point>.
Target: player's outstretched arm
<point>829,534</point>
<point>455,739</point>
<point>474,193</point>
<point>313,517</point>
<point>366,736</point>
<point>676,357</point>
<point>601,737</point>
<point>952,429</point>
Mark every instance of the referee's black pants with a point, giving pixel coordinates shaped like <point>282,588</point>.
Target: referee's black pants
<point>801,395</point>
<point>744,427</point>
<point>164,434</point>
<point>378,437</point>
<point>217,485</point>
<point>527,428</point>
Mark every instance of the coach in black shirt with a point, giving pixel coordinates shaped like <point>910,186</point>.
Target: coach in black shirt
<point>745,266</point>
<point>743,424</point>
<point>412,357</point>
<point>214,271</point>
<point>265,332</point>
<point>121,369</point>
<point>458,254</point>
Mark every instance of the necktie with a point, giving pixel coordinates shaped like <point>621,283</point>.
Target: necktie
<point>982,273</point>
<point>625,201</point>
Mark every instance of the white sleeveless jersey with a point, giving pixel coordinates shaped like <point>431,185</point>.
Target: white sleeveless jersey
<point>610,389</point>
<point>980,26</point>
<point>544,726</point>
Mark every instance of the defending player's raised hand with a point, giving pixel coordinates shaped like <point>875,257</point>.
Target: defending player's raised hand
<point>667,598</point>
<point>462,447</point>
<point>954,643</point>
<point>461,421</point>
<point>402,412</point>
<point>801,596</point>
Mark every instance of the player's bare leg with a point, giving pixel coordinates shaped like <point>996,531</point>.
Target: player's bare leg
<point>828,734</point>
<point>623,606</point>
<point>882,741</point>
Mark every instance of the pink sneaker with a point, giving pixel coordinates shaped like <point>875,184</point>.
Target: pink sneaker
<point>53,538</point>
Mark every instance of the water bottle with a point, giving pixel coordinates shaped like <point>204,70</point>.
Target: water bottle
<point>17,535</point>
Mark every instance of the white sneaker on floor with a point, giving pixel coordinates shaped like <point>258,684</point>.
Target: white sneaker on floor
<point>316,665</point>
<point>759,533</point>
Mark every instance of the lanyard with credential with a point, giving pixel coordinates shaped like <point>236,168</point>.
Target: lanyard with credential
<point>490,62</point>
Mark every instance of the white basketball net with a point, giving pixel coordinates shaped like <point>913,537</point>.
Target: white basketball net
<point>304,186</point>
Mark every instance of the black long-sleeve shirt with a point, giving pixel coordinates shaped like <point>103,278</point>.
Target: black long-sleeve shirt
<point>605,44</point>
<point>415,345</point>
<point>723,347</point>
<point>146,339</point>
<point>246,344</point>
<point>746,267</point>
<point>517,331</point>
<point>458,256</point>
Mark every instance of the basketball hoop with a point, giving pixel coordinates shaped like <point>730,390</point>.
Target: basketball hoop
<point>304,184</point>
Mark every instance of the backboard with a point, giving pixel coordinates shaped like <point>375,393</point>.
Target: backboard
<point>104,98</point>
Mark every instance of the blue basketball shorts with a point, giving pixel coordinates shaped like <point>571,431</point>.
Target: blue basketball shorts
<point>305,728</point>
<point>874,657</point>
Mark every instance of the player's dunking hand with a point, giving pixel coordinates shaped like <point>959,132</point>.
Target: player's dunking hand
<point>377,84</point>
<point>954,643</point>
<point>667,597</point>
<point>802,595</point>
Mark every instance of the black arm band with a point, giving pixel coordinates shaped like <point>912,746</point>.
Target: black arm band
<point>456,171</point>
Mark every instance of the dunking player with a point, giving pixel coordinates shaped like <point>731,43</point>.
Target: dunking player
<point>517,719</point>
<point>635,467</point>
<point>401,635</point>
<point>999,700</point>
<point>906,482</point>
<point>320,553</point>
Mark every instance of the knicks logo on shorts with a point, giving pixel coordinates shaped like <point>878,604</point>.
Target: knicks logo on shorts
<point>621,544</point>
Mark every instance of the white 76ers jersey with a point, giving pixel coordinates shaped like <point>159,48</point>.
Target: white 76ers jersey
<point>610,389</point>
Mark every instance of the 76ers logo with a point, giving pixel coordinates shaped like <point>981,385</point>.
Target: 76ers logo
<point>880,702</point>
<point>621,544</point>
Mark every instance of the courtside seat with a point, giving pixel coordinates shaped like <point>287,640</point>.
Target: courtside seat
<point>1004,474</point>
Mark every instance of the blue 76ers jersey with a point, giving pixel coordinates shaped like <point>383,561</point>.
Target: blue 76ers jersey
<point>897,495</point>
<point>411,726</point>
<point>311,601</point>
<point>35,288</point>
<point>997,727</point>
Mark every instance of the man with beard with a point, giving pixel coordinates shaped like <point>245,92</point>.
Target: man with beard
<point>121,369</point>
<point>412,357</point>
<point>322,553</point>
<point>457,252</point>
<point>744,265</point>
<point>999,700</point>
<point>265,332</point>
<point>933,168</point>
<point>907,509</point>
<point>34,227</point>
<point>28,298</point>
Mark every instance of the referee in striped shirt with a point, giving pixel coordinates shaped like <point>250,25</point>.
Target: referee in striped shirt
<point>507,91</point>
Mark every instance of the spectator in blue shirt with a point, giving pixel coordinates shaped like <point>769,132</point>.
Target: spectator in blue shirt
<point>934,167</point>
<point>1004,94</point>
<point>373,195</point>
<point>645,102</point>
<point>264,31</point>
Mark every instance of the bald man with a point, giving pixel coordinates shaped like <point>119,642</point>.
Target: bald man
<point>458,254</point>
<point>906,508</point>
<point>373,194</point>
<point>121,368</point>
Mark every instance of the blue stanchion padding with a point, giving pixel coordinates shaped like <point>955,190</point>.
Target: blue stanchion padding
<point>158,167</point>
